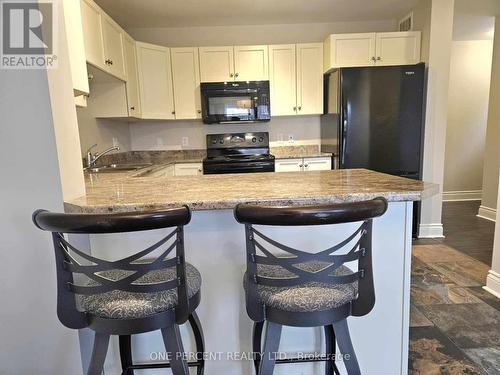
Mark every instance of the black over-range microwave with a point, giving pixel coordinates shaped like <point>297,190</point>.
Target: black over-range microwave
<point>235,102</point>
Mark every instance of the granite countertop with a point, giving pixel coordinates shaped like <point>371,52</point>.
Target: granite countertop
<point>119,192</point>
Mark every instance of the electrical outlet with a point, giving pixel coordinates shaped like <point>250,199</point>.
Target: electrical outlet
<point>290,138</point>
<point>185,141</point>
<point>115,142</point>
<point>280,137</point>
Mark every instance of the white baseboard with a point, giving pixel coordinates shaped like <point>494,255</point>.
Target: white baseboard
<point>493,283</point>
<point>487,213</point>
<point>430,231</point>
<point>466,195</point>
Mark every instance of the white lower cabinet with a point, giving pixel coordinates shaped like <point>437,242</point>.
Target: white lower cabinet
<point>178,169</point>
<point>188,169</point>
<point>288,165</point>
<point>318,164</point>
<point>303,164</point>
<point>163,172</point>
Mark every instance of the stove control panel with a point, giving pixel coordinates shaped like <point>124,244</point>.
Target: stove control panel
<point>238,140</point>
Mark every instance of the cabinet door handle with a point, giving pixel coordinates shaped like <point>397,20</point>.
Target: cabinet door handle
<point>306,166</point>
<point>199,111</point>
<point>236,74</point>
<point>373,58</point>
<point>295,109</point>
<point>379,58</point>
<point>300,108</point>
<point>107,61</point>
<point>231,75</point>
<point>132,108</point>
<point>173,112</point>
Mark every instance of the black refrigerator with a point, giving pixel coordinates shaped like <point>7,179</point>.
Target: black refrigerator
<point>374,119</point>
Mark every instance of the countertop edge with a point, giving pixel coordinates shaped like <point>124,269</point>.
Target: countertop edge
<point>230,204</point>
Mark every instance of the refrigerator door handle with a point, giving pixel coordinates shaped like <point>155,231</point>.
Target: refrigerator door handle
<point>344,126</point>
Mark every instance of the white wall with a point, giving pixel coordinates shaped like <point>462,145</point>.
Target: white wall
<point>492,153</point>
<point>439,29</point>
<point>493,278</point>
<point>33,341</point>
<point>101,131</point>
<point>39,146</point>
<point>64,115</point>
<point>422,22</point>
<point>168,134</point>
<point>470,73</point>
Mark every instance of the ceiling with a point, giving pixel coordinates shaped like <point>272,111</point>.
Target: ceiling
<point>475,20</point>
<point>185,13</point>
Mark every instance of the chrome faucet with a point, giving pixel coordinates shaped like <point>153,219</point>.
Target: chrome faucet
<point>92,158</point>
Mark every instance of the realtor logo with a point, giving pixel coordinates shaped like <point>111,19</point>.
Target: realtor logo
<point>27,35</point>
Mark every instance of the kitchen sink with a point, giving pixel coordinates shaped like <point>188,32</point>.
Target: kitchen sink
<point>118,168</point>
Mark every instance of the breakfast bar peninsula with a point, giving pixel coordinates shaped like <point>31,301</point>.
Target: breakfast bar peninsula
<point>215,245</point>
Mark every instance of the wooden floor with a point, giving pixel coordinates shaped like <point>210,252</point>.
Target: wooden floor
<point>465,232</point>
<point>454,323</point>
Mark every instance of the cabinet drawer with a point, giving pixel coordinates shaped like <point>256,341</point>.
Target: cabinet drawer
<point>318,164</point>
<point>188,169</point>
<point>288,165</point>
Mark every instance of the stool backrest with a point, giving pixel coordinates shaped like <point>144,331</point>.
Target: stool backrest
<point>360,249</point>
<point>67,263</point>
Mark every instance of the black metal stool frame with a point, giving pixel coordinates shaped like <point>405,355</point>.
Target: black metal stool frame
<point>333,320</point>
<point>167,321</point>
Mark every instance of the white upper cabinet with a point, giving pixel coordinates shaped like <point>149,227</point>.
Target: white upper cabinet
<point>186,82</point>
<point>155,81</point>
<point>216,64</point>
<point>282,77</point>
<point>368,49</point>
<point>309,78</point>
<point>296,79</point>
<point>103,39</point>
<point>233,63</point>
<point>251,63</point>
<point>345,50</point>
<point>92,33</point>
<point>132,85</point>
<point>76,49</point>
<point>113,47</point>
<point>402,48</point>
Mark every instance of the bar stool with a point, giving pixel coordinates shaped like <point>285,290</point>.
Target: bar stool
<point>128,296</point>
<point>304,289</point>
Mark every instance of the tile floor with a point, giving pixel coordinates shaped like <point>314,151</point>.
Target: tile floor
<point>454,323</point>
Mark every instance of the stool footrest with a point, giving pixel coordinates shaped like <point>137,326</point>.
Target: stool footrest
<point>317,358</point>
<point>142,366</point>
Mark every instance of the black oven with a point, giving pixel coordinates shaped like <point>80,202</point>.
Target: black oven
<point>234,102</point>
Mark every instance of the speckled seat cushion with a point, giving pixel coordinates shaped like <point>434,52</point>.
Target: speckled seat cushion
<point>118,304</point>
<point>307,297</point>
